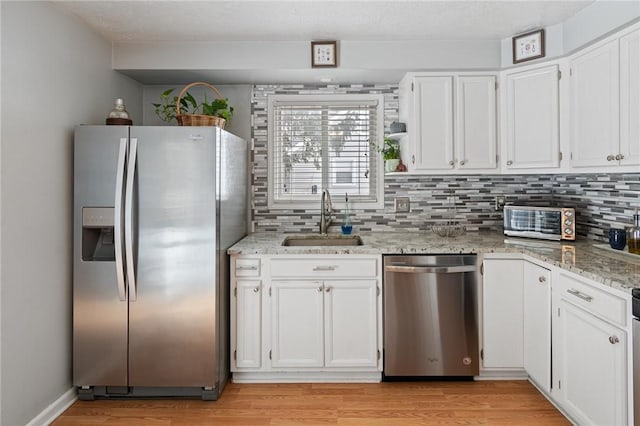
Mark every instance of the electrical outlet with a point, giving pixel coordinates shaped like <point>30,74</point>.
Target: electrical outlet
<point>403,205</point>
<point>499,202</point>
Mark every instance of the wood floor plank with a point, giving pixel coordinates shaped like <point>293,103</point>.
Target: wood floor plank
<point>388,404</point>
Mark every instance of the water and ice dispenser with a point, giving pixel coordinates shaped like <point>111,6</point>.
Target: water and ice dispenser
<point>97,234</point>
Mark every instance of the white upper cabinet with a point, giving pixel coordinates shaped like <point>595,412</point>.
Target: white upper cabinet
<point>630,98</point>
<point>451,122</point>
<point>433,106</point>
<point>594,107</point>
<point>532,115</point>
<point>476,141</point>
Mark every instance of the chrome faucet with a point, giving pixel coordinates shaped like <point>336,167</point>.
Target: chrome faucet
<point>325,211</point>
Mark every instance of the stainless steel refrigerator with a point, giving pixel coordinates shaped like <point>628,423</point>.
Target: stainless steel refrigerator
<point>155,209</point>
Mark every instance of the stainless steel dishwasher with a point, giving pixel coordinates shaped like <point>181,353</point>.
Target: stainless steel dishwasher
<point>431,316</point>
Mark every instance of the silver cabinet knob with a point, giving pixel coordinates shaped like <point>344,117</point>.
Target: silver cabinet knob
<point>610,157</point>
<point>613,340</point>
<point>413,159</point>
<point>451,163</point>
<point>328,289</point>
<point>509,163</point>
<point>320,289</point>
<point>542,279</point>
<point>257,289</point>
<point>621,156</point>
<point>462,163</point>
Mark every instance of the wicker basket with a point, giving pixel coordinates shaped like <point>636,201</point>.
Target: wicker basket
<point>198,119</point>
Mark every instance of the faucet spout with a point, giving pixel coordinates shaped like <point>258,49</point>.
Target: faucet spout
<point>325,211</point>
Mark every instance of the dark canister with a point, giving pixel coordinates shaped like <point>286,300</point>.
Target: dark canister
<point>617,238</point>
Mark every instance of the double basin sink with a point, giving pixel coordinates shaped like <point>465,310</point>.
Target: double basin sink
<point>322,240</point>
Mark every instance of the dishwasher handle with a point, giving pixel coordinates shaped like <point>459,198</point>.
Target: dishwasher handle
<point>432,269</point>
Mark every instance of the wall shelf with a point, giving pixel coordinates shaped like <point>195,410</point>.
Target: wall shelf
<point>396,136</point>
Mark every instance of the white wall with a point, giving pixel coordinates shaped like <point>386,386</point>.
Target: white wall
<point>597,20</point>
<point>238,62</point>
<point>56,73</point>
<point>591,23</point>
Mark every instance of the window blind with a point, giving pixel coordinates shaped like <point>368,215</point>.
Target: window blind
<point>324,144</point>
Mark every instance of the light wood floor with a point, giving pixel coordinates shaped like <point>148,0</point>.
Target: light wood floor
<point>417,403</point>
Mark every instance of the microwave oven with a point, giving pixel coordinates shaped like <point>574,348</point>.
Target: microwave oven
<point>547,223</point>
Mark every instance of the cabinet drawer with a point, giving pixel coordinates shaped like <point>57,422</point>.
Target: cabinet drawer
<point>247,267</point>
<point>595,300</point>
<point>323,267</point>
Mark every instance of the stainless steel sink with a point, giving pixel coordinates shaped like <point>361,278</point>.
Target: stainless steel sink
<point>322,240</point>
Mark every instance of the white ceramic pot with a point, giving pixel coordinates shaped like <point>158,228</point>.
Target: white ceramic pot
<point>391,165</point>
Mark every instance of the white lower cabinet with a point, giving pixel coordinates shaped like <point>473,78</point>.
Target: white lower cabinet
<point>590,353</point>
<point>502,318</point>
<point>350,309</point>
<point>306,316</point>
<point>537,324</point>
<point>324,323</point>
<point>248,316</point>
<point>297,324</point>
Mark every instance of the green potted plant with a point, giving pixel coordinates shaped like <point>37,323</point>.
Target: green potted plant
<point>391,154</point>
<point>191,112</point>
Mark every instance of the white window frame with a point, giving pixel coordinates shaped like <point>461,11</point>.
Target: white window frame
<point>338,199</point>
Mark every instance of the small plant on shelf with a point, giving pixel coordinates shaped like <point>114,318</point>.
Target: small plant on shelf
<point>390,150</point>
<point>390,153</point>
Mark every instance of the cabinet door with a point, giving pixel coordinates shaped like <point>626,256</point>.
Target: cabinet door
<point>532,119</point>
<point>476,142</point>
<point>350,323</point>
<point>433,106</point>
<point>591,366</point>
<point>594,107</point>
<point>248,323</point>
<point>630,99</point>
<point>297,324</point>
<point>537,324</point>
<point>502,314</point>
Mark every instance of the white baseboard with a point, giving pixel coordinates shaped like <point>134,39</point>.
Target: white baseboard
<point>307,377</point>
<point>57,407</point>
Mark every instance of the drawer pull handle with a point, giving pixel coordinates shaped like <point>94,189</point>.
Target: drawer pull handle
<point>580,295</point>
<point>509,163</point>
<point>257,289</point>
<point>542,279</point>
<point>613,340</point>
<point>324,268</point>
<point>247,268</point>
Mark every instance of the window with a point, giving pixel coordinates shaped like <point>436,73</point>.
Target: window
<point>327,141</point>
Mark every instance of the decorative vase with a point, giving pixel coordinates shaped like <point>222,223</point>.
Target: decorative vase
<point>391,165</point>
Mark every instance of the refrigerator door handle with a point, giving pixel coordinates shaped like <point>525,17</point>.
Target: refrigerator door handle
<point>117,222</point>
<point>128,219</point>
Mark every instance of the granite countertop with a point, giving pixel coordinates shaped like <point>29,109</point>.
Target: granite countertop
<point>605,266</point>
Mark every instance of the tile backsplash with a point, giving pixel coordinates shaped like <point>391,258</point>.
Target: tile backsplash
<point>600,200</point>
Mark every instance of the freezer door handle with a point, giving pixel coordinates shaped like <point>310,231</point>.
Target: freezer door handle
<point>128,219</point>
<point>431,269</point>
<point>117,220</point>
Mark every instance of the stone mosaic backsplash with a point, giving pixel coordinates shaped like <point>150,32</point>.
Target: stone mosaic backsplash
<point>600,200</point>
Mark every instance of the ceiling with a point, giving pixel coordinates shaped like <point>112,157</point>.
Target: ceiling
<point>297,20</point>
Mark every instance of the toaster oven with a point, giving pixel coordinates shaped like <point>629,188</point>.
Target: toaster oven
<point>548,223</point>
